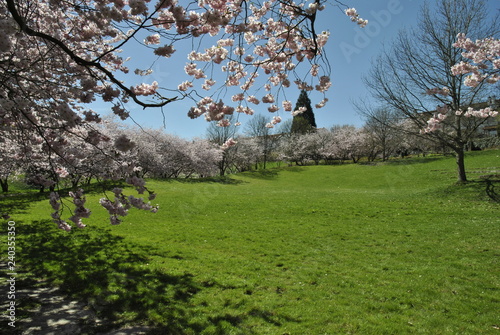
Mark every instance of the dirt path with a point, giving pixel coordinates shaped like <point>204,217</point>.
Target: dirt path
<point>51,313</point>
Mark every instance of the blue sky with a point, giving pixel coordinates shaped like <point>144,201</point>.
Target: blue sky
<point>350,51</point>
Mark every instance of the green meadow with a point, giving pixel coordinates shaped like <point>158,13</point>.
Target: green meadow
<point>386,248</point>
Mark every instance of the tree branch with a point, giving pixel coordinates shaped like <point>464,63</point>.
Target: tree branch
<point>78,60</point>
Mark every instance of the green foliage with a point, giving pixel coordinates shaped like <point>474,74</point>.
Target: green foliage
<point>304,122</point>
<point>389,248</point>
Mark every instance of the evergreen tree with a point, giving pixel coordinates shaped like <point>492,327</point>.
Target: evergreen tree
<point>303,122</point>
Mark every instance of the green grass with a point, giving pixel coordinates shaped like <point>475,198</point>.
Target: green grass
<point>392,248</point>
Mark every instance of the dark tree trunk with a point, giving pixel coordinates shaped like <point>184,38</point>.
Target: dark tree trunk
<point>5,185</point>
<point>460,159</point>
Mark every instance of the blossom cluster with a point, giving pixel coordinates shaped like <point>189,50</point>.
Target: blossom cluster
<point>229,143</point>
<point>274,121</point>
<point>483,60</point>
<point>276,39</point>
<point>482,113</point>
<point>299,110</point>
<point>121,204</point>
<point>353,14</point>
<point>438,91</point>
<point>482,66</point>
<point>434,123</point>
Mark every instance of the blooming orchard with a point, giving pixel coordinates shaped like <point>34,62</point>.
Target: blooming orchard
<point>58,56</point>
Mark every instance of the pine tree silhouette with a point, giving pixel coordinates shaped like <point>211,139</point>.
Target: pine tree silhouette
<point>304,122</point>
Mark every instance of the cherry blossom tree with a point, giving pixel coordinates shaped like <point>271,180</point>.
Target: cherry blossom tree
<point>349,142</point>
<point>11,160</point>
<point>261,129</point>
<point>204,158</point>
<point>244,155</point>
<point>57,57</point>
<point>381,124</point>
<point>481,65</point>
<point>415,77</point>
<point>295,149</point>
<point>319,145</point>
<point>161,155</point>
<point>338,143</point>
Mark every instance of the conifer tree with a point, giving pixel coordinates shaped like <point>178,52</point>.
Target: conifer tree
<point>303,122</point>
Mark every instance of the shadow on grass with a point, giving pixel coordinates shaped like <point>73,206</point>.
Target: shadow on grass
<point>269,174</point>
<point>482,189</point>
<point>492,183</point>
<point>261,174</point>
<point>19,202</point>
<point>113,278</point>
<point>227,180</point>
<point>412,160</point>
<point>107,273</point>
<point>295,168</point>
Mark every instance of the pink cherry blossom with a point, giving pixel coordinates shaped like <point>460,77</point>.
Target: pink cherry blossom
<point>165,51</point>
<point>268,98</point>
<point>276,120</point>
<point>253,100</point>
<point>353,14</point>
<point>287,105</point>
<point>123,143</point>
<point>207,85</point>
<point>322,103</point>
<point>145,89</point>
<point>273,108</point>
<point>152,39</point>
<point>238,97</point>
<point>229,143</point>
<point>482,66</point>
<point>184,86</point>
<point>300,110</point>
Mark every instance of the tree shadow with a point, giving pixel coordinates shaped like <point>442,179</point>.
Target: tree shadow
<point>19,202</point>
<point>11,203</point>
<point>226,180</point>
<point>491,182</point>
<point>294,168</point>
<point>111,278</point>
<point>412,160</point>
<point>485,188</point>
<point>267,174</point>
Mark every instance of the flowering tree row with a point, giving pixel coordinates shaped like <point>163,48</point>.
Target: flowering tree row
<point>166,156</point>
<point>57,57</point>
<point>136,153</point>
<point>337,144</point>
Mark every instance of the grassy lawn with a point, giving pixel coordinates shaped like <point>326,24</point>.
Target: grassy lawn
<point>391,248</point>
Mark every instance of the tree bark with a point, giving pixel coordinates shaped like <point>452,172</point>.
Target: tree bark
<point>460,158</point>
<point>5,185</point>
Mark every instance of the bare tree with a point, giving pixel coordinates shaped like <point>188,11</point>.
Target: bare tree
<point>258,128</point>
<point>406,76</point>
<point>382,126</point>
<point>219,135</point>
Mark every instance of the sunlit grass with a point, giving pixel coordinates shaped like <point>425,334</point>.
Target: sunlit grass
<point>393,248</point>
